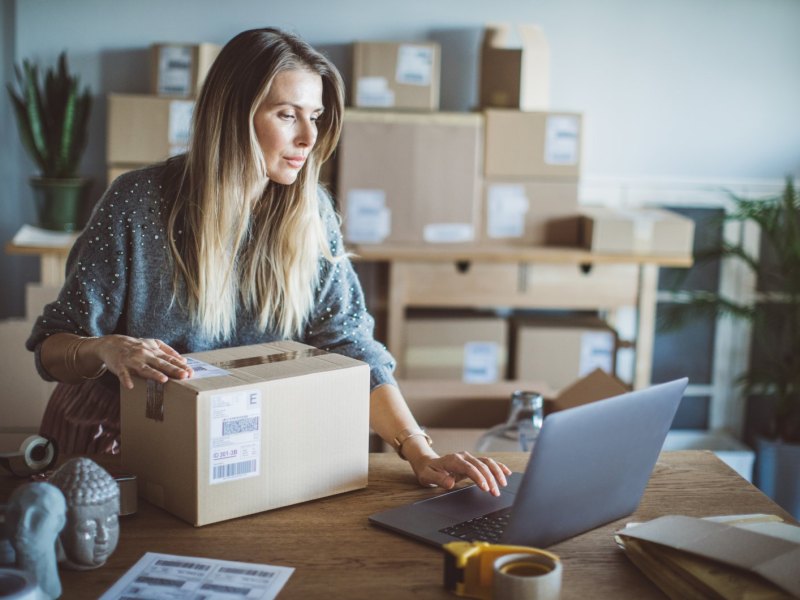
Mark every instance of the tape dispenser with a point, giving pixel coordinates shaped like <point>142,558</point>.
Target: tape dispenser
<point>35,455</point>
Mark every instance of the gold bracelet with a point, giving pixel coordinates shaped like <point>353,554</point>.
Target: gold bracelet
<point>403,436</point>
<point>71,359</point>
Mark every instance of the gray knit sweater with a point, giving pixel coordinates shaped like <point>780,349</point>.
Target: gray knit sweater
<point>119,280</point>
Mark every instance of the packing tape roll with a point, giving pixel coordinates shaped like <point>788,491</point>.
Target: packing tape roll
<point>35,454</point>
<point>16,584</point>
<point>527,577</point>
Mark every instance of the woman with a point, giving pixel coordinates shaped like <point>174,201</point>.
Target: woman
<point>233,243</point>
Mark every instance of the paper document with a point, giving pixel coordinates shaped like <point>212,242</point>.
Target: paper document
<point>170,577</point>
<point>28,235</point>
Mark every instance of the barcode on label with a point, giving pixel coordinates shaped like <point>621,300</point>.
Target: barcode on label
<point>251,572</point>
<point>234,469</point>
<point>182,565</point>
<point>239,425</point>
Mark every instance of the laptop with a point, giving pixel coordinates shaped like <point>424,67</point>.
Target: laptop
<point>589,466</point>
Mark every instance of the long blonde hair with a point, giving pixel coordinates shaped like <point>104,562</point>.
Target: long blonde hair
<point>239,241</point>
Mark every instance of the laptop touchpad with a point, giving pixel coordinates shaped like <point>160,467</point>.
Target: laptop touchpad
<point>467,502</point>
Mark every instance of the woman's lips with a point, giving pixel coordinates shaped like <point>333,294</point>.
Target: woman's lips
<point>295,161</point>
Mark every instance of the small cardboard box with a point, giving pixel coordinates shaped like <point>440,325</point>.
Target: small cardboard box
<point>515,76</point>
<point>560,351</point>
<point>410,178</point>
<point>179,69</point>
<point>532,144</point>
<point>516,212</point>
<point>625,231</point>
<point>472,350</point>
<point>145,129</point>
<point>257,427</point>
<point>396,75</point>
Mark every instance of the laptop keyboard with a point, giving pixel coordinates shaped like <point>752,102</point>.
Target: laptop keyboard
<point>486,528</point>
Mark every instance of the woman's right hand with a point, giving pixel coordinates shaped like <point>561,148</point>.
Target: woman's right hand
<point>147,358</point>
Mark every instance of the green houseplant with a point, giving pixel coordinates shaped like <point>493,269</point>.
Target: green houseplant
<point>53,116</point>
<point>773,375</point>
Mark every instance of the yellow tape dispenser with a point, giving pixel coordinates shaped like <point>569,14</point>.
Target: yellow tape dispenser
<point>469,566</point>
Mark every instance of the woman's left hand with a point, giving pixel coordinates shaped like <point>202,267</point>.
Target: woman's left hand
<point>446,471</point>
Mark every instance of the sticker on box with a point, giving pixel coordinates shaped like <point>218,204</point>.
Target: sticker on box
<point>480,362</point>
<point>597,351</point>
<point>448,233</point>
<point>235,431</point>
<point>175,70</point>
<point>374,92</point>
<point>414,65</point>
<point>202,369</point>
<point>180,122</point>
<point>507,207</point>
<point>561,140</point>
<point>368,220</point>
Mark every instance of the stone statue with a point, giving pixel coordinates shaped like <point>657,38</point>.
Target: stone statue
<point>92,529</point>
<point>35,514</point>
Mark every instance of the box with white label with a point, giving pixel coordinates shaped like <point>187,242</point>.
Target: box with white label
<point>410,178</point>
<point>256,428</point>
<point>396,75</point>
<point>517,211</point>
<point>180,69</point>
<point>559,351</point>
<point>471,349</point>
<point>532,144</point>
<point>144,129</point>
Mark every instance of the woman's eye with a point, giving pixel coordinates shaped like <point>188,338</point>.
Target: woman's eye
<point>286,116</point>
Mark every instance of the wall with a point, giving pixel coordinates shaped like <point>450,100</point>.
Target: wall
<point>701,90</point>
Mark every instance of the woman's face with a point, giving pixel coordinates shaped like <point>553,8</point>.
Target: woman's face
<point>286,123</point>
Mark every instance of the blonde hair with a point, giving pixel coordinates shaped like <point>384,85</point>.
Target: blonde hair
<point>239,241</point>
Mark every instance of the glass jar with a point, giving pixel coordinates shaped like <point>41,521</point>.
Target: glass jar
<point>520,431</point>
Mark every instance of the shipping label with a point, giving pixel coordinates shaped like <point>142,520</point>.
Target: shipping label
<point>235,431</point>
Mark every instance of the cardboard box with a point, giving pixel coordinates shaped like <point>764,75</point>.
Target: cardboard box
<point>256,428</point>
<point>180,69</point>
<point>146,129</point>
<point>114,171</point>
<point>532,144</point>
<point>515,75</point>
<point>625,231</point>
<point>516,212</point>
<point>410,178</point>
<point>396,75</point>
<point>472,350</point>
<point>559,351</point>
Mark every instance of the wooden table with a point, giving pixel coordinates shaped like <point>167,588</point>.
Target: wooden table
<point>337,554</point>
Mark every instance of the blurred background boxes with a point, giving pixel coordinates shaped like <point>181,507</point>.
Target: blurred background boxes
<point>180,69</point>
<point>396,75</point>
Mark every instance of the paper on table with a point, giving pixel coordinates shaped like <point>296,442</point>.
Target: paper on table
<point>28,235</point>
<point>169,577</point>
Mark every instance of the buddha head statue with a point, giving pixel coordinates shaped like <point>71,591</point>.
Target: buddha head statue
<point>92,530</point>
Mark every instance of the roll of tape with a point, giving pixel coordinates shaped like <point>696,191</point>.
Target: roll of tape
<point>35,454</point>
<point>17,585</point>
<point>527,577</point>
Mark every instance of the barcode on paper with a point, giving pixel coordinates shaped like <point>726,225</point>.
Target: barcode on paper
<point>233,470</point>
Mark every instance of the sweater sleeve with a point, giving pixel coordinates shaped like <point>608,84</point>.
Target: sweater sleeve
<point>340,321</point>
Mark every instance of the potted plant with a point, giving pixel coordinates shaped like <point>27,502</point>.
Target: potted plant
<point>53,118</point>
<point>774,372</point>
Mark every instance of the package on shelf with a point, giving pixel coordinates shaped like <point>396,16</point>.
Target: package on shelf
<point>515,75</point>
<point>516,211</point>
<point>396,75</point>
<point>256,428</point>
<point>143,129</point>
<point>561,350</point>
<point>624,231</point>
<point>532,144</point>
<point>179,69</point>
<point>470,349</point>
<point>410,178</point>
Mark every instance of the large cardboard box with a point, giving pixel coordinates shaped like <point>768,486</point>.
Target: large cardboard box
<point>396,75</point>
<point>515,75</point>
<point>256,428</point>
<point>625,231</point>
<point>516,212</point>
<point>472,350</point>
<point>532,144</point>
<point>560,351</point>
<point>144,129</point>
<point>180,69</point>
<point>410,178</point>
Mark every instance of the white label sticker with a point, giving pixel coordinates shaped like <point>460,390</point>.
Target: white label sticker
<point>368,220</point>
<point>175,71</point>
<point>561,140</point>
<point>597,351</point>
<point>448,233</point>
<point>480,362</point>
<point>414,64</point>
<point>235,431</point>
<point>180,122</point>
<point>507,208</point>
<point>202,369</point>
<point>375,92</point>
